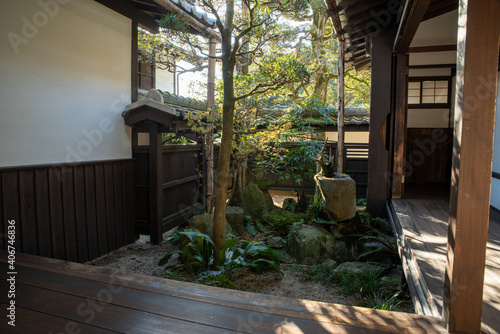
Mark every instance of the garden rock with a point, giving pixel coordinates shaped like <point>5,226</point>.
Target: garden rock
<point>310,244</point>
<point>264,185</point>
<point>339,195</point>
<point>269,200</point>
<point>276,242</point>
<point>253,201</point>
<point>329,263</point>
<point>235,216</point>
<point>204,223</point>
<point>357,268</point>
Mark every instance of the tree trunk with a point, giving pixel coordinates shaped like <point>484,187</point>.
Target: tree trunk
<point>223,178</point>
<point>321,87</point>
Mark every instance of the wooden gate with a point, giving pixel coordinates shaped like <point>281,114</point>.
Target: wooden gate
<point>179,194</point>
<point>168,187</point>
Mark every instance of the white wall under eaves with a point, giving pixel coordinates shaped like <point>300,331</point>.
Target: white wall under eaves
<point>65,77</point>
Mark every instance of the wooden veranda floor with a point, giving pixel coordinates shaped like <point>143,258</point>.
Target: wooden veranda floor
<point>422,227</point>
<point>54,296</point>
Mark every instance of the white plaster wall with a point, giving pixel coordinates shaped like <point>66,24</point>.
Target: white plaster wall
<point>423,72</point>
<point>65,79</point>
<point>165,80</point>
<point>441,30</point>
<point>427,58</point>
<point>495,184</point>
<point>351,137</point>
<point>428,118</point>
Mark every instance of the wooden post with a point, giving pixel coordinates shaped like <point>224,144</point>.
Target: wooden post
<point>477,70</point>
<point>155,184</point>
<point>340,126</point>
<point>400,125</point>
<point>210,136</point>
<point>378,156</point>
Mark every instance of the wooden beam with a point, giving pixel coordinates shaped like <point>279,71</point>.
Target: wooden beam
<point>476,90</point>
<point>340,143</point>
<point>333,13</point>
<point>452,66</point>
<point>155,184</point>
<point>184,16</point>
<point>413,14</point>
<point>127,9</point>
<point>432,48</point>
<point>438,8</point>
<point>400,125</point>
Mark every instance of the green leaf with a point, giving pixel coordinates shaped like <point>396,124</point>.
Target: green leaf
<point>164,260</point>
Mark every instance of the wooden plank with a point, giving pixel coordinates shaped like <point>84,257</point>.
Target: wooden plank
<point>43,212</point>
<point>413,13</point>
<point>68,206</point>
<point>91,212</point>
<point>425,234</point>
<point>56,214</point>
<point>81,214</point>
<point>477,70</point>
<point>105,315</point>
<point>100,198</point>
<point>41,322</point>
<point>424,271</point>
<point>11,206</point>
<point>400,125</point>
<point>109,189</point>
<point>118,207</point>
<point>28,211</point>
<point>155,182</point>
<point>129,302</point>
<point>311,317</point>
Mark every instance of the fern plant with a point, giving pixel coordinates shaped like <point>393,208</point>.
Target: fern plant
<point>387,245</point>
<point>198,251</point>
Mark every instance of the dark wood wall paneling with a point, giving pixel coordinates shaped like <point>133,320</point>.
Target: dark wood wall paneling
<point>75,212</point>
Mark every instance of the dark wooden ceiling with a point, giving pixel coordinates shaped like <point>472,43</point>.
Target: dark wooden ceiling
<point>357,20</point>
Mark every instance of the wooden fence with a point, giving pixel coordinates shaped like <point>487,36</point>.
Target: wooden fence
<point>181,187</point>
<point>74,212</point>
